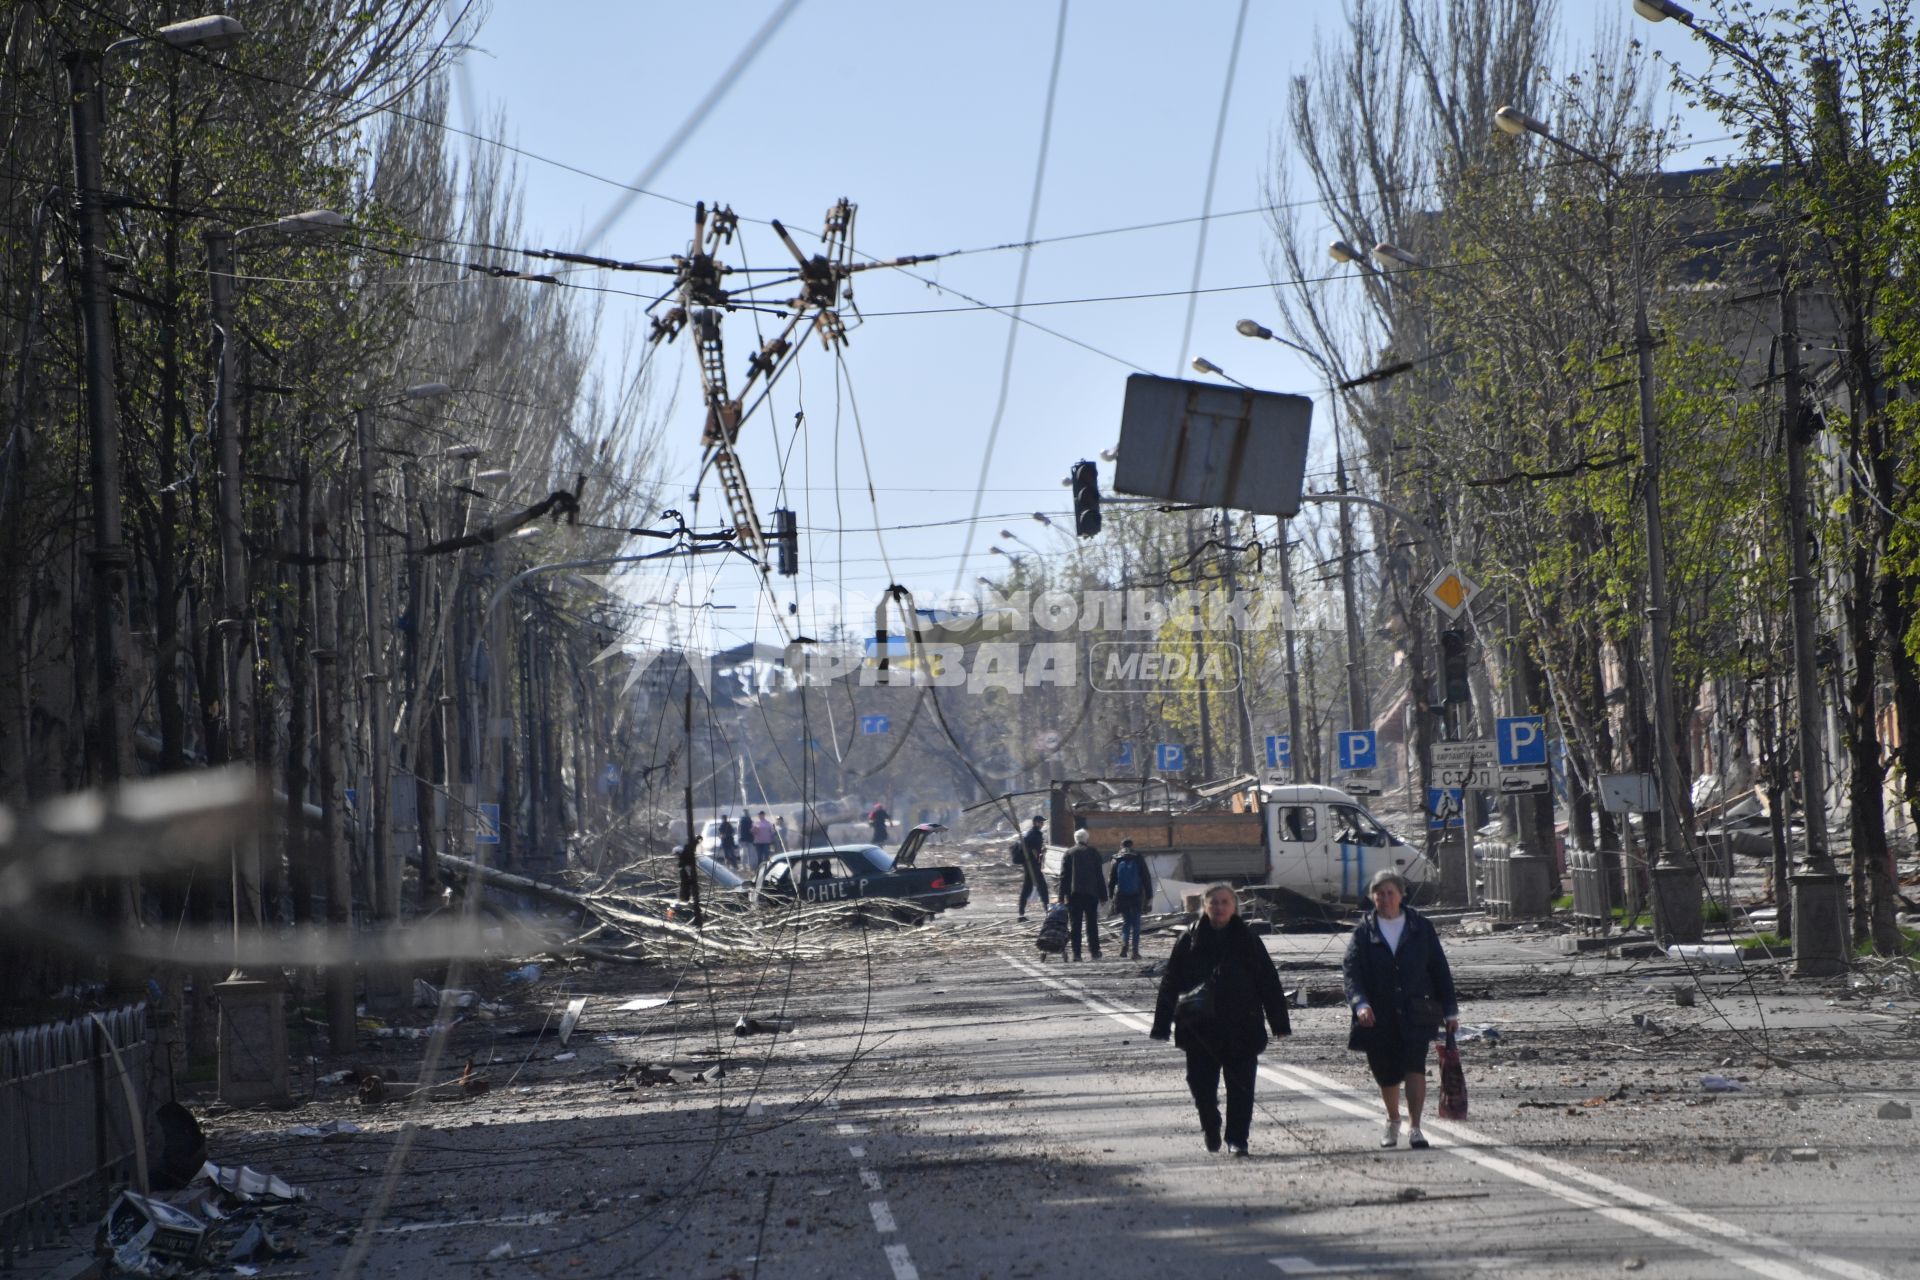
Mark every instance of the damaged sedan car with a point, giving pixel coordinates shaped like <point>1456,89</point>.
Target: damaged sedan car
<point>847,873</point>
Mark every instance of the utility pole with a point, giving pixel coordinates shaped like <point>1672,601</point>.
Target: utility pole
<point>236,627</point>
<point>341,1029</point>
<point>112,712</point>
<point>1297,744</point>
<point>1358,716</point>
<point>1243,714</point>
<point>1200,666</point>
<point>1818,889</point>
<point>386,884</point>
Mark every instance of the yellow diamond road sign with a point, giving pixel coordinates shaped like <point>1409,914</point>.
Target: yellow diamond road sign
<point>1452,591</point>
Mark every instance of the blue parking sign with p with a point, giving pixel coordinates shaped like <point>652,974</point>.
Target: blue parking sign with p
<point>1521,741</point>
<point>1279,751</point>
<point>1123,755</point>
<point>1170,757</point>
<point>1357,749</point>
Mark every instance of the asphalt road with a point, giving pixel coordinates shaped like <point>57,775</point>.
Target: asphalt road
<point>948,1105</point>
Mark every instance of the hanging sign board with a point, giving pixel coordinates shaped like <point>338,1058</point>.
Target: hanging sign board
<point>1213,446</point>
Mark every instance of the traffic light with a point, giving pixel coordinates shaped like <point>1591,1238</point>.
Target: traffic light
<point>1086,498</point>
<point>1453,666</point>
<point>786,542</point>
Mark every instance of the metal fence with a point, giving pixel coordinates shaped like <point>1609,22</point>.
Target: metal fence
<point>1596,886</point>
<point>1496,879</point>
<point>66,1130</point>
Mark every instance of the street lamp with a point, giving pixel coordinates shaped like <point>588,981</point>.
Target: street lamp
<point>1012,559</point>
<point>1384,253</point>
<point>111,560</point>
<point>1673,857</point>
<point>1818,890</point>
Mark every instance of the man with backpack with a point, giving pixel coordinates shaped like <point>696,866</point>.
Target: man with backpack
<point>1082,888</point>
<point>1029,850</point>
<point>1131,885</point>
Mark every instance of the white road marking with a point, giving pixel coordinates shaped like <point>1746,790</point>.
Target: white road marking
<point>869,1179</point>
<point>1295,1265</point>
<point>1476,1148</point>
<point>511,1220</point>
<point>902,1265</point>
<point>858,1153</point>
<point>883,1218</point>
<point>849,1130</point>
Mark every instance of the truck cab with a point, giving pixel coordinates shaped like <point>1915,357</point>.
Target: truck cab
<point>1325,845</point>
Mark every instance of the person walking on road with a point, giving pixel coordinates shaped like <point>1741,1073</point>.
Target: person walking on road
<point>1131,885</point>
<point>1030,851</point>
<point>1083,888</point>
<point>1227,1036</point>
<point>763,837</point>
<point>879,817</point>
<point>1401,991</point>
<point>780,834</point>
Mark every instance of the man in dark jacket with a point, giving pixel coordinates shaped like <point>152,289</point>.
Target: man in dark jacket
<point>1083,888</point>
<point>1131,885</point>
<point>1032,846</point>
<point>1246,1000</point>
<point>1400,989</point>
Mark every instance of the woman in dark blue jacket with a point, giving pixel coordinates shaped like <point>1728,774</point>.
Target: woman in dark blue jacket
<point>1400,990</point>
<point>1247,1000</point>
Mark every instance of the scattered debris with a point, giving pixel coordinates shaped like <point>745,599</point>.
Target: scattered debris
<point>750,1026</point>
<point>183,1148</point>
<point>326,1129</point>
<point>1714,1083</point>
<point>246,1184</point>
<point>571,1018</point>
<point>1648,1025</point>
<point>428,996</point>
<point>639,1003</point>
<point>1891,1110</point>
<point>568,1056</point>
<point>346,1076</point>
<point>1683,996</point>
<point>1711,954</point>
<point>499,1251</point>
<point>1804,1154</point>
<point>142,1232</point>
<point>525,973</point>
<point>255,1244</point>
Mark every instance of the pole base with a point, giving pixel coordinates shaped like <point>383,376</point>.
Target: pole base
<point>1676,904</point>
<point>1820,938</point>
<point>1528,884</point>
<point>1456,889</point>
<point>253,1041</point>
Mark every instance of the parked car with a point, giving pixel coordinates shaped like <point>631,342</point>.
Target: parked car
<point>843,873</point>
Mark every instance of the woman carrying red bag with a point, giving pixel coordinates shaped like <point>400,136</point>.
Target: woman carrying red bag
<point>1401,991</point>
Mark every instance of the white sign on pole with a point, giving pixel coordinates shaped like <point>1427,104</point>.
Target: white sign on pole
<point>1463,754</point>
<point>1479,777</point>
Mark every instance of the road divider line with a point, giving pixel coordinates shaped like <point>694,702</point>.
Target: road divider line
<point>1478,1149</point>
<point>902,1264</point>
<point>1704,1222</point>
<point>883,1218</point>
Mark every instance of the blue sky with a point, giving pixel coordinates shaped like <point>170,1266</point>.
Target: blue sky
<point>929,119</point>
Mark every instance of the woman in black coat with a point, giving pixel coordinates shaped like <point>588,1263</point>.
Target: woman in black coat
<point>1400,990</point>
<point>1247,1000</point>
